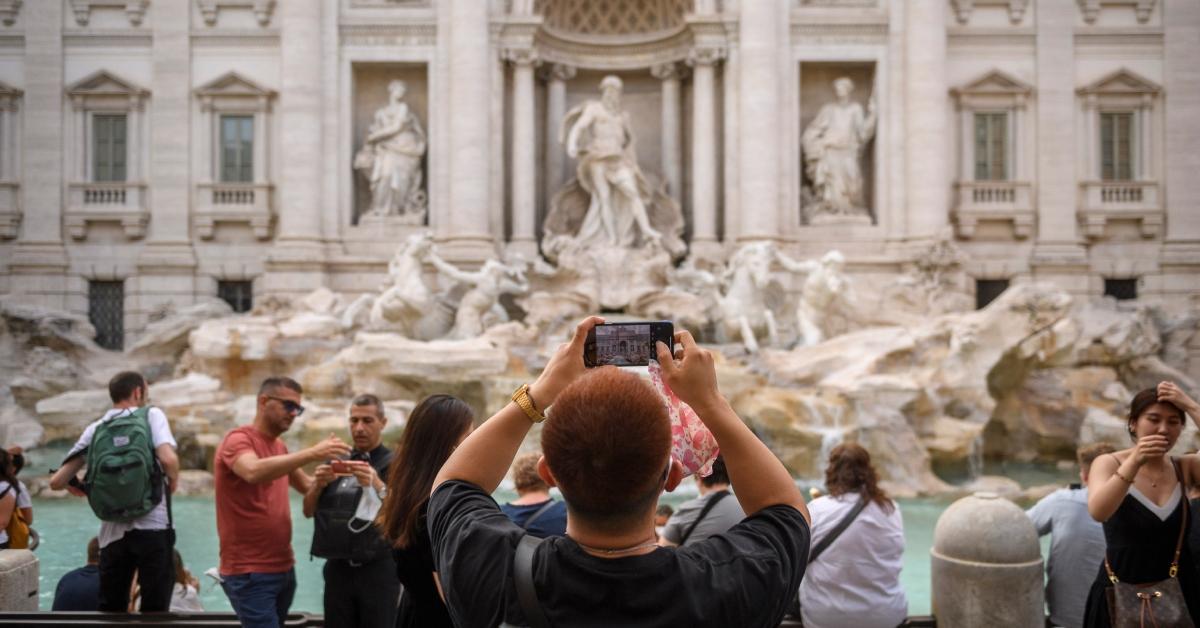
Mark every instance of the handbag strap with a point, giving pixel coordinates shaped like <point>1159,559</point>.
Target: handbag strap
<point>1183,488</point>
<point>538,513</point>
<point>523,574</point>
<point>839,529</point>
<point>712,502</point>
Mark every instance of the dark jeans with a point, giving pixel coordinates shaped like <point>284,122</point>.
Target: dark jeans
<point>149,552</point>
<point>364,596</point>
<point>261,600</point>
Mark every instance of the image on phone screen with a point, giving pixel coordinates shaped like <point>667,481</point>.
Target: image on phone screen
<point>625,344</point>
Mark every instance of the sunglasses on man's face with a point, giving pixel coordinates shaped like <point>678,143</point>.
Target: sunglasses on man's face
<point>288,405</point>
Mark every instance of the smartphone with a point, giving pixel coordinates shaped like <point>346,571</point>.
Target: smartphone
<point>341,467</point>
<point>626,344</point>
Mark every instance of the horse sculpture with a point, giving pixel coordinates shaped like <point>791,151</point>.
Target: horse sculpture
<point>745,302</point>
<point>406,304</point>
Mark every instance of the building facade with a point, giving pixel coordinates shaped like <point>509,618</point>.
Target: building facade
<point>158,152</point>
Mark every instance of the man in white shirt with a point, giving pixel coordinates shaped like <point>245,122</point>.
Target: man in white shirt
<point>145,544</point>
<point>1076,542</point>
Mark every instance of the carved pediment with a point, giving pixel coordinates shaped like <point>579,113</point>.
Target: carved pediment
<point>234,90</point>
<point>994,82</point>
<point>104,83</point>
<point>1123,82</point>
<point>234,84</point>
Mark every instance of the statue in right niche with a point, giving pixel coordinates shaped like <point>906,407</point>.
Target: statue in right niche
<point>833,144</point>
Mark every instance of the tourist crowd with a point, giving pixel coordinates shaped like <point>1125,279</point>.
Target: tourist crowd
<point>411,536</point>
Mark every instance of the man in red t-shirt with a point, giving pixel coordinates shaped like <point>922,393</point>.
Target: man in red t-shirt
<point>251,475</point>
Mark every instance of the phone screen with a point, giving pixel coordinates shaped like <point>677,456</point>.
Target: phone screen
<point>626,344</point>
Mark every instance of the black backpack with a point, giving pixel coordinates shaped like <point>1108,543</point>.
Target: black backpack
<point>333,537</point>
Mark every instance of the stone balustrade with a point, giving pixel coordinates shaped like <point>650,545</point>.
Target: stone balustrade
<point>122,202</point>
<point>1105,201</point>
<point>245,203</point>
<point>1003,201</point>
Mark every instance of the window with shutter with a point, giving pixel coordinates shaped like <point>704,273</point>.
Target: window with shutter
<point>237,149</point>
<point>109,147</point>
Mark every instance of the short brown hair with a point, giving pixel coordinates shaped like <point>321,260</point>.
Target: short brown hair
<point>607,442</point>
<point>1087,455</point>
<point>525,475</point>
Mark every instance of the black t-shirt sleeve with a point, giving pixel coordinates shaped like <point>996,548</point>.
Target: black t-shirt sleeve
<point>473,548</point>
<point>763,558</point>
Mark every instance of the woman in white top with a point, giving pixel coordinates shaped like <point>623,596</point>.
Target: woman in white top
<point>855,582</point>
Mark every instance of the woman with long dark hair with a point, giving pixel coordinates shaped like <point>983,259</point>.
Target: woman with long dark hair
<point>8,495</point>
<point>857,575</point>
<point>436,426</point>
<point>1138,494</point>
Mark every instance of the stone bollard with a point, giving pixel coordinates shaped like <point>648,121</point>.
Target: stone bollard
<point>986,566</point>
<point>18,580</point>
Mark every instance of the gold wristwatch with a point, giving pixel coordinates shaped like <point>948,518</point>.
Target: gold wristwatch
<point>521,398</point>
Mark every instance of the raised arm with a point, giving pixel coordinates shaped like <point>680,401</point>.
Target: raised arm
<point>791,265</point>
<point>757,475</point>
<point>452,271</point>
<point>486,455</point>
<point>1110,477</point>
<point>255,470</point>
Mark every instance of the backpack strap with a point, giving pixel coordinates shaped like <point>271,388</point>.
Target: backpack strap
<point>158,463</point>
<point>538,513</point>
<point>523,578</point>
<point>708,506</point>
<point>839,529</point>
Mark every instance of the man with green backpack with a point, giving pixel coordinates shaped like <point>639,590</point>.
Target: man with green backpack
<point>131,472</point>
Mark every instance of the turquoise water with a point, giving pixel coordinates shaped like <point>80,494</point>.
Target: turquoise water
<point>67,524</point>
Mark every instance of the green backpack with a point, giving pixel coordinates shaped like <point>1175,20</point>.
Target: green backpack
<point>123,479</point>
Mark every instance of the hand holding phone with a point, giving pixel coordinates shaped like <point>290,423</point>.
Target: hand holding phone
<point>626,344</point>
<point>342,467</point>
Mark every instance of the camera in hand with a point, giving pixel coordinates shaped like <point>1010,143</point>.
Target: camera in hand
<point>626,344</point>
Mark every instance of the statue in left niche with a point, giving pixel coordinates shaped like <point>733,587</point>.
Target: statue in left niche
<point>390,160</point>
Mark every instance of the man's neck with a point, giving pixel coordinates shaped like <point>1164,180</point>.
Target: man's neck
<point>532,497</point>
<point>260,424</point>
<point>640,536</point>
<point>705,490</point>
<point>126,405</point>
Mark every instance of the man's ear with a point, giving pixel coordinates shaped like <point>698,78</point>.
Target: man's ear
<point>543,471</point>
<point>674,475</point>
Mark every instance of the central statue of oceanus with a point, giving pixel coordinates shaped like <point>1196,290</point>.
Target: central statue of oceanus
<point>611,203</point>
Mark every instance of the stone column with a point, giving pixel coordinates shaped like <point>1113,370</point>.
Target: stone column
<point>761,33</point>
<point>704,152</point>
<point>39,263</point>
<point>1181,103</point>
<point>465,230</point>
<point>166,266</point>
<point>672,168</point>
<point>297,263</point>
<point>524,154</point>
<point>1058,254</point>
<point>927,209</point>
<point>556,108</point>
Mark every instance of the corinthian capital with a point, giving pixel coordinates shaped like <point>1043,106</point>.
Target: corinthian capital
<point>705,56</point>
<point>666,71</point>
<point>520,56</point>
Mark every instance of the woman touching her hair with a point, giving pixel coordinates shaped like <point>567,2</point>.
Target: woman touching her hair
<point>1139,495</point>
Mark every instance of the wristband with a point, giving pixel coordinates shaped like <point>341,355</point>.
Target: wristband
<point>525,402</point>
<point>1123,478</point>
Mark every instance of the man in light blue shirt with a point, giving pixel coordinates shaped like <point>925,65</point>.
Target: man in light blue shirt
<point>1076,542</point>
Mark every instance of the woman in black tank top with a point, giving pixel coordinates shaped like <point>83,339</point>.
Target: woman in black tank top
<point>1140,495</point>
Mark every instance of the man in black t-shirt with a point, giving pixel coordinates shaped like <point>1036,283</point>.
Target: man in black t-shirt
<point>607,447</point>
<point>361,586</point>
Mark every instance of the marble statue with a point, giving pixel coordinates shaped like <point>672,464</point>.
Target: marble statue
<point>833,144</point>
<point>824,294</point>
<point>611,203</point>
<point>480,306</point>
<point>745,308</point>
<point>405,300</point>
<point>390,159</point>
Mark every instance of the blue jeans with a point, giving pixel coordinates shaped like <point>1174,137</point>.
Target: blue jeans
<point>261,600</point>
